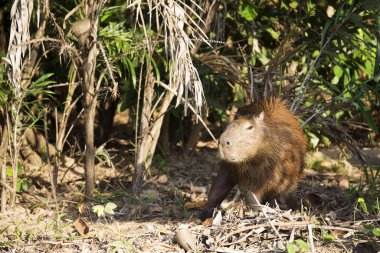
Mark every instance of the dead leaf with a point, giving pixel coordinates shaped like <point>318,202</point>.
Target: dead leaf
<point>81,208</point>
<point>145,247</point>
<point>106,194</point>
<point>338,233</point>
<point>81,227</point>
<point>195,205</point>
<point>207,222</point>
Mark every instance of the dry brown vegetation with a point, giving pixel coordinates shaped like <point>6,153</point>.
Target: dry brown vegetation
<point>171,200</point>
<point>110,110</point>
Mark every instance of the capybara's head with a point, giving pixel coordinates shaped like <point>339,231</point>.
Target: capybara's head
<point>242,138</point>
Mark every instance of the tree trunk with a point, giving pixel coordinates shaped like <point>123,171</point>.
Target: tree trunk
<point>3,157</point>
<point>89,163</point>
<point>164,139</point>
<point>90,53</point>
<point>144,142</point>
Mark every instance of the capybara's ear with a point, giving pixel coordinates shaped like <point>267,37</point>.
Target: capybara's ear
<point>260,117</point>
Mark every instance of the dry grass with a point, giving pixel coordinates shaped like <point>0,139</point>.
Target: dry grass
<point>148,224</point>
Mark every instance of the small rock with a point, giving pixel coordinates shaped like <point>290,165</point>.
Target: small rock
<point>185,238</point>
<point>163,179</point>
<point>343,183</point>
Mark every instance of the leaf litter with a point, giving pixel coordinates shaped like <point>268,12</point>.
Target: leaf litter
<point>164,218</point>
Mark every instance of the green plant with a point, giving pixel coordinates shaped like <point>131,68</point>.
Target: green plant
<point>298,245</point>
<point>373,230</point>
<point>367,191</point>
<point>363,205</point>
<point>103,210</point>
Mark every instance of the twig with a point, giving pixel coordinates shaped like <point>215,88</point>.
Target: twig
<point>61,85</point>
<point>53,175</point>
<point>334,228</point>
<point>241,239</point>
<point>279,224</point>
<point>266,216</point>
<point>311,242</point>
<point>71,13</point>
<point>337,238</point>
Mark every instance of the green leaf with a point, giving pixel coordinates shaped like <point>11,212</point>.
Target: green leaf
<point>293,4</point>
<point>376,232</point>
<point>247,11</point>
<point>19,185</point>
<point>303,245</point>
<point>283,5</point>
<point>338,71</point>
<point>99,210</point>
<point>275,35</point>
<point>44,77</point>
<point>110,207</point>
<point>133,73</point>
<point>367,68</point>
<point>290,247</point>
<point>314,140</point>
<point>325,30</point>
<point>363,205</point>
<point>327,235</point>
<point>9,172</point>
<point>335,80</point>
<point>156,69</point>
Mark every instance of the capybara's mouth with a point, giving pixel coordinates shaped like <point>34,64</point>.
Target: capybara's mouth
<point>234,160</point>
<point>230,159</point>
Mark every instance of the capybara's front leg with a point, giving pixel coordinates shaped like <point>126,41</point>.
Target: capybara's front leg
<point>222,185</point>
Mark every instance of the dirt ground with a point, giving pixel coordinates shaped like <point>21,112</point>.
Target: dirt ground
<point>330,221</point>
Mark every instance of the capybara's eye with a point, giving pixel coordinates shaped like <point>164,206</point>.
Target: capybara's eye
<point>250,127</point>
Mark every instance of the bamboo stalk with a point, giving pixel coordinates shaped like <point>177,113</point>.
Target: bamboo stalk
<point>3,189</point>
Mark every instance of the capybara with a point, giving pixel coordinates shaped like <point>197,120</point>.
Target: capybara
<point>262,151</point>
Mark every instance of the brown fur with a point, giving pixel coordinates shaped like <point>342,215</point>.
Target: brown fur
<point>263,152</point>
